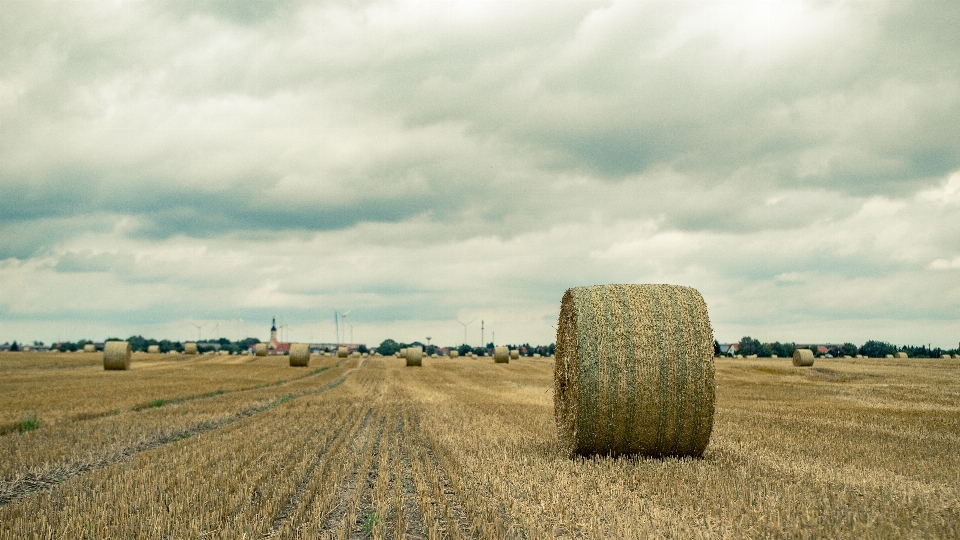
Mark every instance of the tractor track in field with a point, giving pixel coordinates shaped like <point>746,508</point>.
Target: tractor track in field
<point>291,505</point>
<point>32,481</point>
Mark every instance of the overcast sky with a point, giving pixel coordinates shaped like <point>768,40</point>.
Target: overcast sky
<point>171,163</point>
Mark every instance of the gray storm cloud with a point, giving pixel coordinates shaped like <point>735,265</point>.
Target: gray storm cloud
<point>795,161</point>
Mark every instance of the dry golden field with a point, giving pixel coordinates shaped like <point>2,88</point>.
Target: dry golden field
<point>246,447</point>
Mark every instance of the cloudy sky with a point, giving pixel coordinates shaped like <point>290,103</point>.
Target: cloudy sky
<point>181,162</point>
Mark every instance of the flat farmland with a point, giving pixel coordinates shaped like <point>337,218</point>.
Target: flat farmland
<point>240,447</point>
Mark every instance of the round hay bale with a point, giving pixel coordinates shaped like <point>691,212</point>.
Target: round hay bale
<point>956,357</point>
<point>888,356</point>
<point>434,355</point>
<point>900,354</point>
<point>260,349</point>
<point>858,356</point>
<point>454,354</point>
<point>355,354</point>
<point>342,352</point>
<point>414,356</point>
<point>803,357</point>
<point>514,354</point>
<point>634,371</point>
<point>153,349</point>
<point>774,356</point>
<point>847,356</point>
<point>739,356</point>
<point>501,355</point>
<point>116,355</point>
<point>945,357</point>
<point>751,356</point>
<point>89,347</point>
<point>299,355</point>
<point>189,348</point>
<point>536,355</point>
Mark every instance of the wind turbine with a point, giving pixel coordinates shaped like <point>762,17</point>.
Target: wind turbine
<point>239,323</point>
<point>199,326</point>
<point>337,322</point>
<point>465,329</point>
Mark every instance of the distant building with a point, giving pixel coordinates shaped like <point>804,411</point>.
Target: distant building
<point>729,348</point>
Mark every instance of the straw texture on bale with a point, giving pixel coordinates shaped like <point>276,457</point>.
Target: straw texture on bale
<point>634,371</point>
<point>89,347</point>
<point>900,354</point>
<point>501,355</point>
<point>153,349</point>
<point>189,348</point>
<point>260,349</point>
<point>454,354</point>
<point>803,357</point>
<point>414,356</point>
<point>342,352</point>
<point>116,355</point>
<point>299,355</point>
<point>514,354</point>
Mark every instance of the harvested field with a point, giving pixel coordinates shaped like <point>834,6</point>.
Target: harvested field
<point>363,447</point>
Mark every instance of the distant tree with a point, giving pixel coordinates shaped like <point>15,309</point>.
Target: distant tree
<point>14,347</point>
<point>462,350</point>
<point>138,343</point>
<point>877,349</point>
<point>363,348</point>
<point>783,350</point>
<point>716,348</point>
<point>748,345</point>
<point>848,349</point>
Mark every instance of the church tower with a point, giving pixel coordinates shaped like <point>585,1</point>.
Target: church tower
<point>273,333</point>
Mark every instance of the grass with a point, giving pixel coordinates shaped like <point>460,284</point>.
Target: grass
<point>860,450</point>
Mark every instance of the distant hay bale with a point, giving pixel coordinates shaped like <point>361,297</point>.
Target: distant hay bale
<point>116,355</point>
<point>89,347</point>
<point>501,355</point>
<point>355,354</point>
<point>847,356</point>
<point>328,353</point>
<point>536,355</point>
<point>888,356</point>
<point>956,357</point>
<point>774,356</point>
<point>751,356</point>
<point>634,371</point>
<point>739,356</point>
<point>299,355</point>
<point>342,352</point>
<point>434,355</point>
<point>803,357</point>
<point>403,352</point>
<point>945,357</point>
<point>859,356</point>
<point>189,348</point>
<point>260,349</point>
<point>454,354</point>
<point>900,354</point>
<point>514,354</point>
<point>414,356</point>
<point>153,349</point>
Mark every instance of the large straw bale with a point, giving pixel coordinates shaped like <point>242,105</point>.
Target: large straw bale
<point>299,354</point>
<point>89,347</point>
<point>501,355</point>
<point>945,357</point>
<point>634,371</point>
<point>342,352</point>
<point>803,357</point>
<point>260,349</point>
<point>414,356</point>
<point>454,353</point>
<point>514,354</point>
<point>189,348</point>
<point>153,349</point>
<point>900,354</point>
<point>116,355</point>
